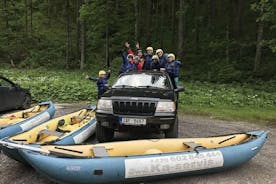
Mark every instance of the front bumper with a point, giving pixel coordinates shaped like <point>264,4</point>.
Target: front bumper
<point>159,122</point>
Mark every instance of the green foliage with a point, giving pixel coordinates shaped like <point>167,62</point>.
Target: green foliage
<point>266,10</point>
<point>59,86</point>
<point>219,37</point>
<point>236,95</point>
<point>71,86</point>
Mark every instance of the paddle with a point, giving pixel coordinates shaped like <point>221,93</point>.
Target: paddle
<point>26,147</point>
<point>35,149</point>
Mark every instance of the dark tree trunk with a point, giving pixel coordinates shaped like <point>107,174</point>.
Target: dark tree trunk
<point>31,15</point>
<point>227,43</point>
<point>237,14</point>
<point>229,20</point>
<point>11,60</point>
<point>141,31</point>
<point>156,21</point>
<point>68,34</point>
<point>26,15</point>
<point>107,46</point>
<point>239,27</point>
<point>136,20</point>
<point>239,19</point>
<point>49,12</point>
<point>6,14</point>
<point>161,37</point>
<point>180,50</point>
<point>212,10</point>
<point>83,44</point>
<point>196,26</point>
<point>148,22</point>
<point>173,24</point>
<point>77,31</point>
<point>107,36</point>
<point>259,46</point>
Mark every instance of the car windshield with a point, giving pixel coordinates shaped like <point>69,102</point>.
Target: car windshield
<point>143,80</point>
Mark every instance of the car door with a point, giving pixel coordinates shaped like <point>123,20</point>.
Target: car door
<point>4,93</point>
<point>8,95</point>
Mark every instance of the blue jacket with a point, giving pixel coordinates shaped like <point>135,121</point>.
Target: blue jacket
<point>148,62</point>
<point>163,60</point>
<point>155,66</point>
<point>126,66</point>
<point>101,84</point>
<point>172,68</point>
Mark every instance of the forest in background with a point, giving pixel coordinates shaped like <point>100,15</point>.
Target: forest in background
<point>217,41</point>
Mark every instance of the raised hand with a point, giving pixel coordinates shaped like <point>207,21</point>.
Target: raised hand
<point>127,44</point>
<point>137,45</point>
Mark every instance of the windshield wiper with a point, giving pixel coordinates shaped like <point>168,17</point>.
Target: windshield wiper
<point>124,86</point>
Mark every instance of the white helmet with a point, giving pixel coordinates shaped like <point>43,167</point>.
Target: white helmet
<point>172,56</point>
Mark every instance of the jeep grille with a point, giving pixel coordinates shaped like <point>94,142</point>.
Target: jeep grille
<point>142,108</point>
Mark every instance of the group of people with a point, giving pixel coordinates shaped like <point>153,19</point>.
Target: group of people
<point>148,61</point>
<point>142,61</point>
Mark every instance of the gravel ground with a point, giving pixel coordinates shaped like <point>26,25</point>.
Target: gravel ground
<point>261,169</point>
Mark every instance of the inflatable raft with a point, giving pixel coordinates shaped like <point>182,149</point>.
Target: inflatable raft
<point>72,128</point>
<point>13,123</point>
<point>137,161</point>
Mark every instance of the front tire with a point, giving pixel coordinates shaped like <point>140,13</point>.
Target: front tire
<point>104,134</point>
<point>173,131</point>
<point>27,102</point>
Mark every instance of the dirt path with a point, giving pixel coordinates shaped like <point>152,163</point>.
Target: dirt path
<point>261,169</point>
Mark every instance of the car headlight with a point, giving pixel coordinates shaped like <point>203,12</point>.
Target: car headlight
<point>165,107</point>
<point>105,105</point>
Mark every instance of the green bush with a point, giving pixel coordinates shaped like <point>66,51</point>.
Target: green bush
<point>71,86</point>
<point>58,86</point>
<point>236,95</point>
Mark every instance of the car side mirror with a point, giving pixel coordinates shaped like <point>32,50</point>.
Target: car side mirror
<point>179,89</point>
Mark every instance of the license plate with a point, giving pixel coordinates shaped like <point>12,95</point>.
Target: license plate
<point>133,121</point>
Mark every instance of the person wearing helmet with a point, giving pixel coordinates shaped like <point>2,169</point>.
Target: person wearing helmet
<point>101,81</point>
<point>172,68</point>
<point>155,65</point>
<point>148,58</point>
<point>140,53</point>
<point>128,62</point>
<point>162,57</point>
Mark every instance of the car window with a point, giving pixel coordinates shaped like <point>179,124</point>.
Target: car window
<point>4,83</point>
<point>143,80</point>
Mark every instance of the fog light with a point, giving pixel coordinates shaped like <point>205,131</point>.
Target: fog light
<point>165,126</point>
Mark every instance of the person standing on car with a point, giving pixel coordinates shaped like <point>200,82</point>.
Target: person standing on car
<point>148,58</point>
<point>141,63</point>
<point>155,65</point>
<point>102,81</point>
<point>139,50</point>
<point>162,57</point>
<point>172,68</point>
<point>128,62</point>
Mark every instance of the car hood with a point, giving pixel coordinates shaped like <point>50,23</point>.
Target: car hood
<point>139,92</point>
